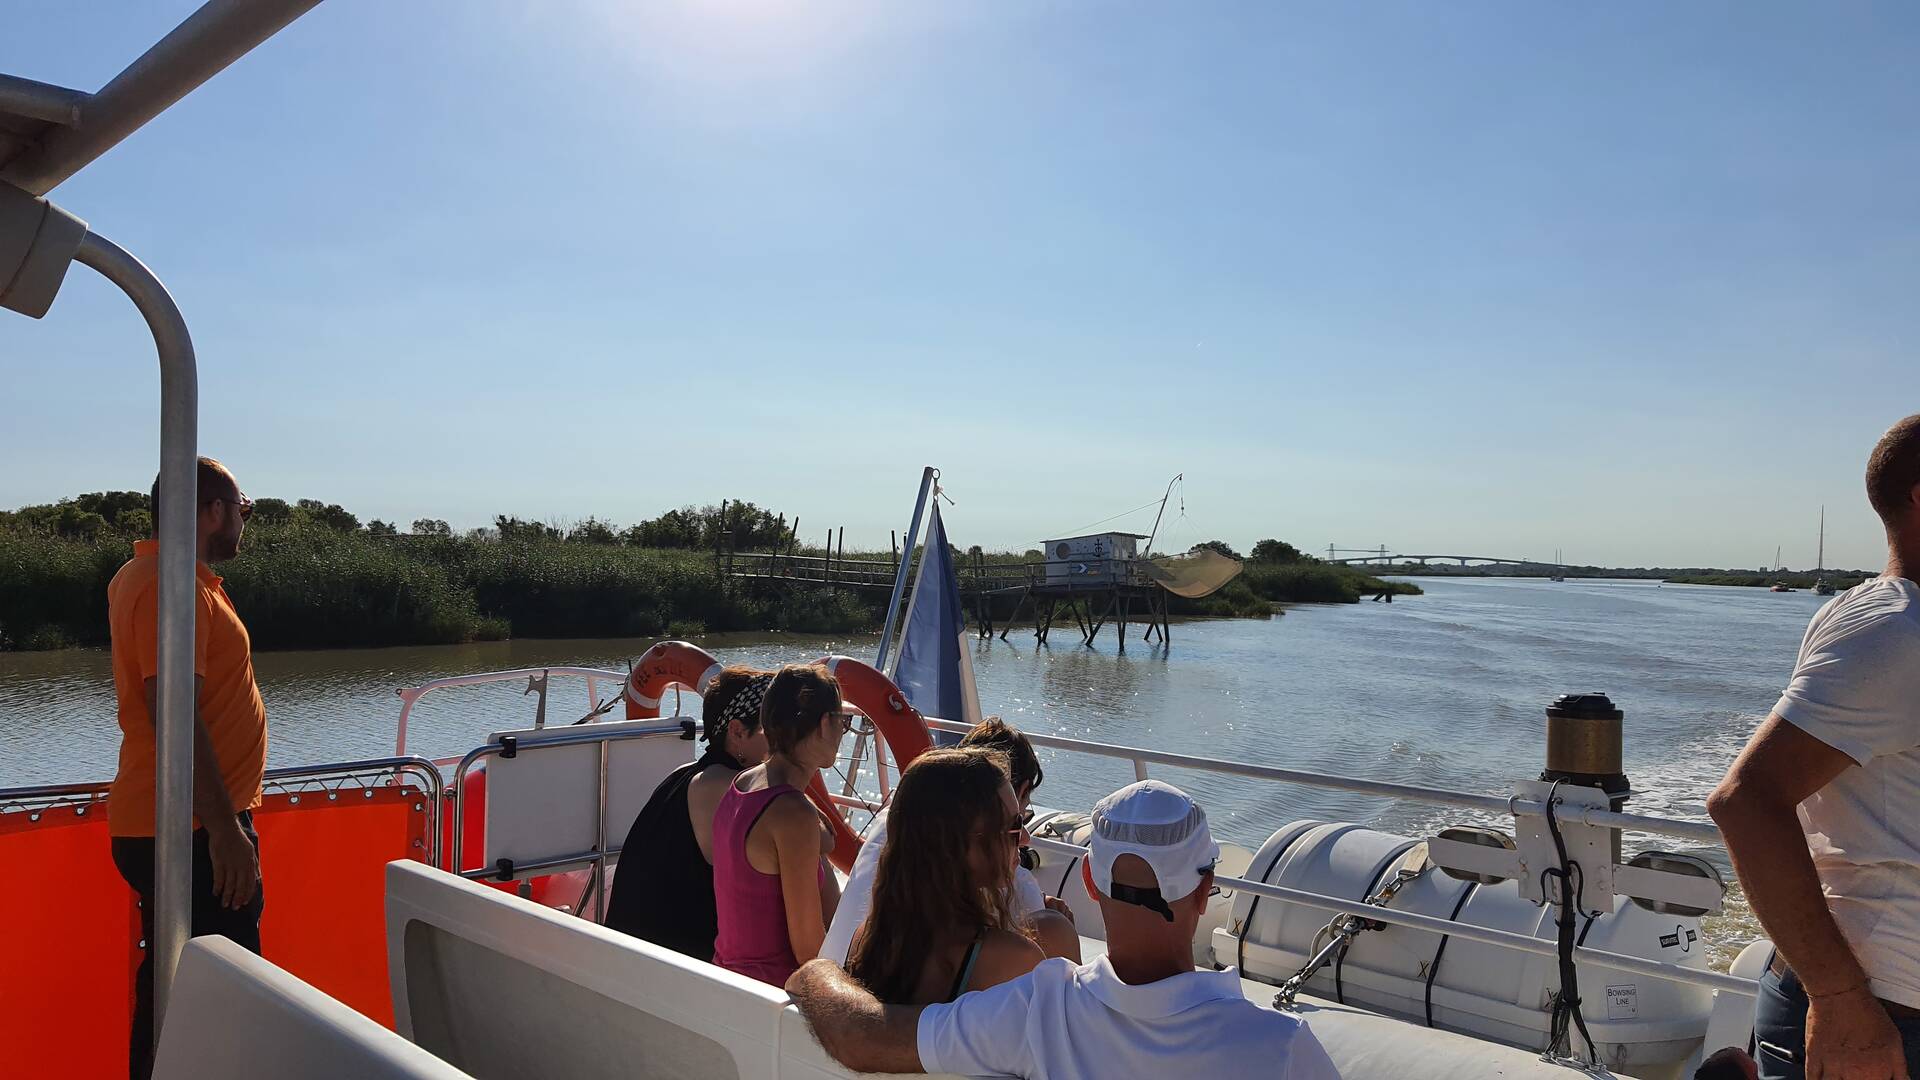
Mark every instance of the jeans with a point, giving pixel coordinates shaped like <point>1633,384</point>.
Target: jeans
<point>1780,1030</point>
<point>133,856</point>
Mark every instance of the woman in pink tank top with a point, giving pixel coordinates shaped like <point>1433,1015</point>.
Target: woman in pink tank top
<point>772,890</point>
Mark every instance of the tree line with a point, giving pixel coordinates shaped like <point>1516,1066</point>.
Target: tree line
<point>738,524</point>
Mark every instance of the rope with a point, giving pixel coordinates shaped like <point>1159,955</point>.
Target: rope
<point>1144,506</point>
<point>848,785</point>
<point>1566,1004</point>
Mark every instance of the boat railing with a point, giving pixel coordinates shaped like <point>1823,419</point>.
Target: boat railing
<point>603,846</point>
<point>1140,757</point>
<point>536,679</point>
<point>330,779</point>
<point>1511,806</point>
<point>1655,969</point>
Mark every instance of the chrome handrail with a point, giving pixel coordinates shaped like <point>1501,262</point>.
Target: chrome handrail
<point>409,695</point>
<point>1701,832</point>
<point>432,785</point>
<point>1657,969</point>
<point>35,799</point>
<point>575,737</point>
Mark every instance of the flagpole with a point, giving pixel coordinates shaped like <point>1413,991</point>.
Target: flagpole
<point>900,575</point>
<point>913,598</point>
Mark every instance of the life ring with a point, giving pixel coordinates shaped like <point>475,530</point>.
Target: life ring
<point>898,722</point>
<point>659,669</point>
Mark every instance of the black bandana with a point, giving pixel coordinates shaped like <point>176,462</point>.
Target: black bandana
<point>745,704</point>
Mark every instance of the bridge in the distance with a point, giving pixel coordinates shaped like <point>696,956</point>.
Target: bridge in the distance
<point>1383,557</point>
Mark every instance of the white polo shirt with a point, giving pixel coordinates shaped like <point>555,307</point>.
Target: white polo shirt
<point>856,899</point>
<point>1856,688</point>
<point>1062,1022</point>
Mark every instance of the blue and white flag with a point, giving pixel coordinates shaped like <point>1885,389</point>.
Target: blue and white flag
<point>934,666</point>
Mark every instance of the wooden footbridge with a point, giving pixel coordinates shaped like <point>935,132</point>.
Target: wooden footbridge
<point>1127,599</point>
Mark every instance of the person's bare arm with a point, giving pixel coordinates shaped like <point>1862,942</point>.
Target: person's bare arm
<point>829,893</point>
<point>1004,956</point>
<point>1055,934</point>
<point>1848,1030</point>
<point>852,1025</point>
<point>236,865</point>
<point>796,848</point>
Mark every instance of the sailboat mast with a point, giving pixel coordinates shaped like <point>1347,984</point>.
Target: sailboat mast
<point>1822,560</point>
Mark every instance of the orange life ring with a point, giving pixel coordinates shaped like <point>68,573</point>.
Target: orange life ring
<point>661,668</point>
<point>899,723</point>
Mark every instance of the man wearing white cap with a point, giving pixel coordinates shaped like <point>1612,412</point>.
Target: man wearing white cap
<point>1140,1010</point>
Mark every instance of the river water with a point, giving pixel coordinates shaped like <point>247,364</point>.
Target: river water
<point>1446,689</point>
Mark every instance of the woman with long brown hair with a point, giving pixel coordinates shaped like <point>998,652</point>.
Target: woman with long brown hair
<point>940,925</point>
<point>772,892</point>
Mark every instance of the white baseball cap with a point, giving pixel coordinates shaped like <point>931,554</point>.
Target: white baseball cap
<point>1159,823</point>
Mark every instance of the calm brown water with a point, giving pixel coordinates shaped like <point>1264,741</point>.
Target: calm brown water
<point>1445,689</point>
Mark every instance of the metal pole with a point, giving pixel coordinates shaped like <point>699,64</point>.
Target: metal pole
<point>216,35</point>
<point>41,101</point>
<point>900,573</point>
<point>179,426</point>
<point>913,598</point>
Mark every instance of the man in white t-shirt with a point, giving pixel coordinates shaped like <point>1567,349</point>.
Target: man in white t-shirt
<point>1821,813</point>
<point>1052,925</point>
<point>1139,1011</point>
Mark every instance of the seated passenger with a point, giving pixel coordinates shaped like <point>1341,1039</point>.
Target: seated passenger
<point>663,888</point>
<point>1052,929</point>
<point>771,886</point>
<point>940,924</point>
<point>1139,1011</point>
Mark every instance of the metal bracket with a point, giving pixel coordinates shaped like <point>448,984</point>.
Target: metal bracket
<point>1344,928</point>
<point>1589,846</point>
<point>38,241</point>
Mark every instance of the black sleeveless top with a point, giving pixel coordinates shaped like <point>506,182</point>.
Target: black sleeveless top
<point>663,889</point>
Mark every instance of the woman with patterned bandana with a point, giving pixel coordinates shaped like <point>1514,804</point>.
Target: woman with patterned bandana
<point>669,898</point>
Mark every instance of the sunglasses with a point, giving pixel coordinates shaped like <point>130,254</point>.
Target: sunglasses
<point>1012,833</point>
<point>240,503</point>
<point>847,722</point>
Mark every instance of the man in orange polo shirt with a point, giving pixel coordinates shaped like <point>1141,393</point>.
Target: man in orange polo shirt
<point>229,744</point>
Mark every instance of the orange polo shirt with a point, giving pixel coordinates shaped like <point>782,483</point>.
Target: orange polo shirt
<point>230,703</point>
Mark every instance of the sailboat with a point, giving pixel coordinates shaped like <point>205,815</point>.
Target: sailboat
<point>1559,567</point>
<point>1821,586</point>
<point>1778,586</point>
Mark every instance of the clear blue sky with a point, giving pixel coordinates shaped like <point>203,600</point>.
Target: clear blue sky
<point>1633,280</point>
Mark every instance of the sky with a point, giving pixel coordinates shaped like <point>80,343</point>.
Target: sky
<point>1631,281</point>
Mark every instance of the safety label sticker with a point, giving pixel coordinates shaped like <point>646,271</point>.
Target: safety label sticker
<point>1623,1002</point>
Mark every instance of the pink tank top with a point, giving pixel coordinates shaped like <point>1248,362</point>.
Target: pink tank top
<point>752,911</point>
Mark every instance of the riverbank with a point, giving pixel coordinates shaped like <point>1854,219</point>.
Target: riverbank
<point>1839,579</point>
<point>307,585</point>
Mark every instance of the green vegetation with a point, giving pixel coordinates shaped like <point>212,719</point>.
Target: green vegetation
<point>311,575</point>
<point>1795,579</point>
<point>1278,571</point>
